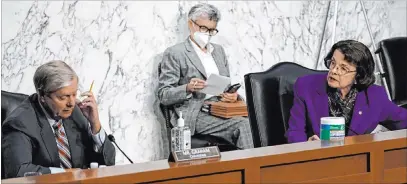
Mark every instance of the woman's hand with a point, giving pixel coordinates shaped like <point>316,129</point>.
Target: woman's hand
<point>314,138</point>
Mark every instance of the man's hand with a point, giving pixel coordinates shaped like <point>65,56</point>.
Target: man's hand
<point>314,138</point>
<point>195,84</point>
<point>89,108</point>
<point>229,97</point>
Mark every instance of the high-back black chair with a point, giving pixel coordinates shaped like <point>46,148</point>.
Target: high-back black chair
<point>9,102</point>
<point>269,97</point>
<point>393,56</point>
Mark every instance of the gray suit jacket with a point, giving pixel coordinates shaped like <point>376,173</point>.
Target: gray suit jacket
<point>28,143</point>
<point>180,63</point>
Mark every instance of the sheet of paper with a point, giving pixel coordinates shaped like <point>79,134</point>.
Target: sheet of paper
<point>216,84</point>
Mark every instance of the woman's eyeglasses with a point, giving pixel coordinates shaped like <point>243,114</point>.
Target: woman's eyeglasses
<point>342,69</point>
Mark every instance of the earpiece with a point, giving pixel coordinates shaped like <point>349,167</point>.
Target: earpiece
<point>40,92</point>
<point>42,99</point>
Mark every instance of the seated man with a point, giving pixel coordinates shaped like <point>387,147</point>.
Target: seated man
<point>185,67</point>
<point>49,133</point>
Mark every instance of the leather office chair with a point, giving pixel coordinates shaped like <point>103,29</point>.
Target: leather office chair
<point>9,102</point>
<point>393,56</point>
<point>269,97</point>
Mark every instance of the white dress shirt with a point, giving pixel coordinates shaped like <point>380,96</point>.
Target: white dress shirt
<point>98,139</point>
<point>207,60</point>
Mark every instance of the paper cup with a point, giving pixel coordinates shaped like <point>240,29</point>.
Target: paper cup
<point>94,165</point>
<point>332,128</point>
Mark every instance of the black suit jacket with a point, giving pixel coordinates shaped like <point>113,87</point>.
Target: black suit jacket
<point>28,142</point>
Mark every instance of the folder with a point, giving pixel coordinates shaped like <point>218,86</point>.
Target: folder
<point>225,109</point>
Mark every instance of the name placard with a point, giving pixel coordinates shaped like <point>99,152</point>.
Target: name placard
<point>196,153</point>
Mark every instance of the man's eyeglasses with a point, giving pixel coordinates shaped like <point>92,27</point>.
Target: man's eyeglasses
<point>342,69</point>
<point>204,29</point>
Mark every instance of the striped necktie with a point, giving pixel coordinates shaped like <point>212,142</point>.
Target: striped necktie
<point>63,146</point>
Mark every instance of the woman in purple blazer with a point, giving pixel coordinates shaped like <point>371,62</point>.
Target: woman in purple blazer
<point>346,91</point>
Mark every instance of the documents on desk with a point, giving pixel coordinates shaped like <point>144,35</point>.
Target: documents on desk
<point>225,109</point>
<point>216,84</point>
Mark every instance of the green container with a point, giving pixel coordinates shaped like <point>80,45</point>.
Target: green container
<point>332,132</point>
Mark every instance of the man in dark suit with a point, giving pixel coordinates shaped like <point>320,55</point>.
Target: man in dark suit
<point>51,131</point>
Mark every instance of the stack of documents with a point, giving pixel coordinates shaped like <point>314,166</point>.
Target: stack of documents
<point>228,110</point>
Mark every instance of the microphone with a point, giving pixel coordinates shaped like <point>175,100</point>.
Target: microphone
<point>226,146</point>
<point>112,139</point>
<point>55,130</point>
<point>386,122</point>
<point>351,130</point>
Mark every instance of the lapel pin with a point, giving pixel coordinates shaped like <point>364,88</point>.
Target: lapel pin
<point>360,112</point>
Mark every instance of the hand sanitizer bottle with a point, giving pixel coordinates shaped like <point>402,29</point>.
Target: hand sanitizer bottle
<point>180,136</point>
<point>186,134</point>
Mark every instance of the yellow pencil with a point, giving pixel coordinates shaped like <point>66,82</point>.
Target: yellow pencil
<point>91,86</point>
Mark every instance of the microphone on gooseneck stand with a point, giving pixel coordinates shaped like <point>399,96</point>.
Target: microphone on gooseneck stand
<point>351,130</point>
<point>55,130</point>
<point>112,139</point>
<point>389,122</point>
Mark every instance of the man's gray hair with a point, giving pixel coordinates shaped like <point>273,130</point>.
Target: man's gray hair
<point>52,76</point>
<point>204,10</point>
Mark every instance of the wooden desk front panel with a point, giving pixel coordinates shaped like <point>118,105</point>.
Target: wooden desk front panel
<point>377,158</point>
<point>316,169</point>
<point>228,177</point>
<point>395,166</point>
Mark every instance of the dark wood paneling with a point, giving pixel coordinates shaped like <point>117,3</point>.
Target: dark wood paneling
<point>356,178</point>
<point>390,162</point>
<point>230,177</point>
<point>397,175</point>
<point>315,169</point>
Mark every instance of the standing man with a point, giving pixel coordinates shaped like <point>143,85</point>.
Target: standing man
<point>49,132</point>
<point>183,72</point>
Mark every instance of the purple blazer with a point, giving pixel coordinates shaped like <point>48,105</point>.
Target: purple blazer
<point>311,103</point>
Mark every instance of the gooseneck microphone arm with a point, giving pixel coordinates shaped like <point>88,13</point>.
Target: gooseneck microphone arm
<point>388,122</point>
<point>351,130</point>
<point>112,139</point>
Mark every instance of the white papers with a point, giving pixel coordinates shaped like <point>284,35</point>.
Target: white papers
<point>378,129</point>
<point>216,84</point>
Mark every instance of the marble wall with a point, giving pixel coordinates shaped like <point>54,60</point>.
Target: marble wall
<point>120,43</point>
